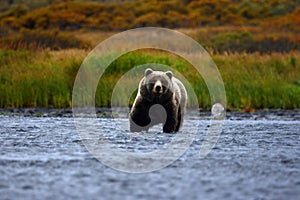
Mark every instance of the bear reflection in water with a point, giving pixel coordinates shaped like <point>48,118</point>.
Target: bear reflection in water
<point>161,98</point>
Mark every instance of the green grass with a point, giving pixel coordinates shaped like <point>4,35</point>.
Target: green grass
<point>30,79</point>
<point>45,78</point>
<point>254,81</point>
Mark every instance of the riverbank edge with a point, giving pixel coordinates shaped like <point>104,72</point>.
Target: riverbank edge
<point>263,114</point>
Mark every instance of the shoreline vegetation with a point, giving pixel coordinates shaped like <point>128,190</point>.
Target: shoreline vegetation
<point>252,81</point>
<point>255,45</point>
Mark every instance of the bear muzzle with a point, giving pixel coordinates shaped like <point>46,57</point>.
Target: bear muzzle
<point>158,89</point>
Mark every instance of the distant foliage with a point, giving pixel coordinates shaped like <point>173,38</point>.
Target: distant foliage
<point>231,41</point>
<point>75,15</point>
<point>27,26</point>
<point>15,11</point>
<point>245,42</point>
<point>290,22</point>
<point>34,39</point>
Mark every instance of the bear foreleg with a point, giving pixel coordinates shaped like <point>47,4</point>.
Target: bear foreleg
<point>171,122</point>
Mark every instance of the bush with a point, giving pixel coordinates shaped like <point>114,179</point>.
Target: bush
<point>16,11</point>
<point>245,42</point>
<point>35,39</point>
<point>232,41</point>
<point>75,15</point>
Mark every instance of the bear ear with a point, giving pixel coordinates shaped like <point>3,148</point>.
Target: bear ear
<point>169,74</point>
<point>148,71</point>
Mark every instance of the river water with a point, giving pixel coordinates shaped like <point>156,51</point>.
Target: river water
<point>44,158</point>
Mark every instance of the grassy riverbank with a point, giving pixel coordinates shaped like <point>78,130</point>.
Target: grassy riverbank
<point>45,78</point>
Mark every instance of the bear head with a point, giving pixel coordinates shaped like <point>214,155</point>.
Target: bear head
<point>157,84</point>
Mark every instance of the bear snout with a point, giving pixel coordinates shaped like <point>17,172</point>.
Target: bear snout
<point>157,87</point>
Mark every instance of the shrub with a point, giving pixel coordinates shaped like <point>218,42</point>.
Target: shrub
<point>74,15</point>
<point>231,41</point>
<point>35,39</point>
<point>149,19</point>
<point>15,11</point>
<point>245,42</point>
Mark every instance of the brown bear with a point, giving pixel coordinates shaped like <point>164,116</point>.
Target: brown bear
<point>161,98</point>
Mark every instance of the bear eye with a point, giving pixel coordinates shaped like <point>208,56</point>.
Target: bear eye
<point>151,85</point>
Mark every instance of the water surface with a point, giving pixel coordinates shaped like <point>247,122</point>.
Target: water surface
<point>44,158</point>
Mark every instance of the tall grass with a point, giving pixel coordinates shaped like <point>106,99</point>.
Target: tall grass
<point>261,81</point>
<point>40,79</point>
<point>45,79</point>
